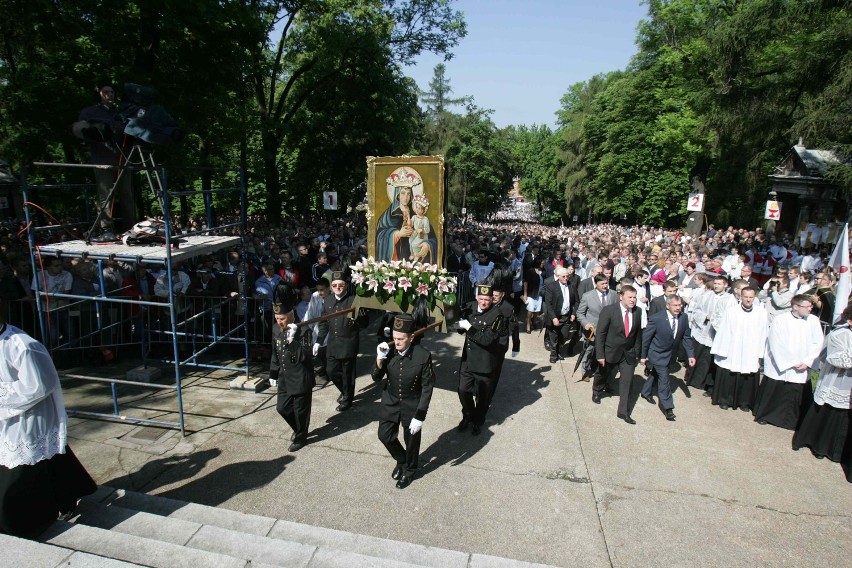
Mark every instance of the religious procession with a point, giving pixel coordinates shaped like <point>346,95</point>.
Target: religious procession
<point>276,299</point>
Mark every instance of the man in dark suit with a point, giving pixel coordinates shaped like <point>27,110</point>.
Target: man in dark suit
<point>617,348</point>
<point>560,311</point>
<point>405,396</point>
<point>589,283</point>
<point>661,338</point>
<point>658,304</point>
<point>342,334</point>
<point>456,262</point>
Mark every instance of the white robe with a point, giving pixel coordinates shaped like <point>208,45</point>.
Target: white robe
<point>834,386</point>
<point>792,341</point>
<point>740,339</point>
<point>33,423</point>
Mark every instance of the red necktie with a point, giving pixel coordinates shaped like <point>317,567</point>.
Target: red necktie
<point>626,323</point>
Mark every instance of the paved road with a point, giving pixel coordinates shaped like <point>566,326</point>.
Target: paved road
<point>553,478</point>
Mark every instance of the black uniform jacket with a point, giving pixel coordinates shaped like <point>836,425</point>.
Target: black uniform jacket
<point>482,349</point>
<point>291,363</point>
<point>342,331</point>
<point>506,325</point>
<point>407,389</point>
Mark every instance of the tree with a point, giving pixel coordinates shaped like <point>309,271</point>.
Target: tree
<point>320,43</point>
<point>437,99</point>
<point>534,153</point>
<point>479,164</point>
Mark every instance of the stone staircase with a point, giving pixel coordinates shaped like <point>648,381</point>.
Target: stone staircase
<point>114,528</point>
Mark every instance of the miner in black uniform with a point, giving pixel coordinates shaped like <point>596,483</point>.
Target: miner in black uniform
<point>291,369</point>
<point>509,327</point>
<point>342,333</point>
<point>480,358</point>
<point>406,393</point>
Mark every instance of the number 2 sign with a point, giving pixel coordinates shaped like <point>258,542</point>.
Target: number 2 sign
<point>695,202</point>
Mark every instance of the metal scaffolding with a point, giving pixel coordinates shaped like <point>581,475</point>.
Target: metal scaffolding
<point>109,320</point>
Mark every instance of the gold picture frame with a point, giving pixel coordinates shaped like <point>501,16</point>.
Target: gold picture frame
<point>405,208</point>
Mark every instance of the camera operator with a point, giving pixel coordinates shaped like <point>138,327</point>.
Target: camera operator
<point>778,294</point>
<point>106,141</point>
<point>822,296</point>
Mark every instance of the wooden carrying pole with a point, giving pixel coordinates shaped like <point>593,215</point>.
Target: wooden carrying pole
<point>326,317</point>
<point>423,330</point>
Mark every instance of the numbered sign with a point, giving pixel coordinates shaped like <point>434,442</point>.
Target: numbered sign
<point>695,202</point>
<point>773,210</point>
<point>329,200</point>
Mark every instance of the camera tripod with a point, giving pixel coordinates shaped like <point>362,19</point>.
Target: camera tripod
<point>146,159</point>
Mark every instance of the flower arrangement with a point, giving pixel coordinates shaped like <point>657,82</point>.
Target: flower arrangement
<point>404,282</point>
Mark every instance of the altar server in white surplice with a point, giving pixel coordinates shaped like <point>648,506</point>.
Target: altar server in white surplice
<point>738,347</point>
<point>795,342</point>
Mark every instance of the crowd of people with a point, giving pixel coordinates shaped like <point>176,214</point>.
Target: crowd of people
<point>750,316</point>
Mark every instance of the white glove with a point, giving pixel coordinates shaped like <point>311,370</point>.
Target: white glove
<point>382,350</point>
<point>415,426</point>
<point>464,324</point>
<point>291,331</point>
<point>315,350</point>
<point>387,332</point>
<point>273,383</point>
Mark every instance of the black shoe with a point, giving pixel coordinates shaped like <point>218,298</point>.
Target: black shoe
<point>649,399</point>
<point>404,481</point>
<point>554,357</point>
<point>761,422</point>
<point>670,415</point>
<point>397,471</point>
<point>344,406</point>
<point>708,394</point>
<point>596,397</point>
<point>476,429</point>
<point>463,425</point>
<point>292,436</point>
<point>626,418</point>
<point>724,406</point>
<point>296,446</point>
<point>745,409</point>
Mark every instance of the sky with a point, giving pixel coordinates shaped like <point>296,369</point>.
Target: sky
<point>519,57</point>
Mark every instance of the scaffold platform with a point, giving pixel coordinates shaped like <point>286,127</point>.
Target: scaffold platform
<point>188,247</point>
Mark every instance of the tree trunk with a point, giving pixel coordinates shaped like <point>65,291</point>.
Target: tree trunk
<point>271,175</point>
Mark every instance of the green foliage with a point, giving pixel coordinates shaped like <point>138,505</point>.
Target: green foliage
<point>728,82</point>
<point>478,160</point>
<point>297,92</point>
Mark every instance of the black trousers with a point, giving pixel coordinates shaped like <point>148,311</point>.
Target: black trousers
<point>295,409</point>
<point>475,392</point>
<point>408,456</point>
<point>342,374</point>
<point>558,335</point>
<point>607,374</point>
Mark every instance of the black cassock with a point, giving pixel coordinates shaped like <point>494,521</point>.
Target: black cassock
<point>406,393</point>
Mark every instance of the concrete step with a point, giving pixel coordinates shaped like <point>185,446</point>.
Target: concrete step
<point>246,547</point>
<point>134,549</point>
<point>259,539</point>
<point>22,553</point>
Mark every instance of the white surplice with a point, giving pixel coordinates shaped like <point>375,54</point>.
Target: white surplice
<point>740,339</point>
<point>834,387</point>
<point>792,341</point>
<point>33,422</point>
